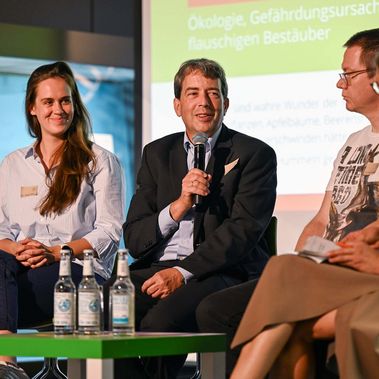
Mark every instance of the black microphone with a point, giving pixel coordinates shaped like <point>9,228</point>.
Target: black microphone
<point>199,156</point>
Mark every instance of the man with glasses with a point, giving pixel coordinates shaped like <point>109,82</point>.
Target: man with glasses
<point>353,181</point>
<point>351,199</point>
<point>348,76</point>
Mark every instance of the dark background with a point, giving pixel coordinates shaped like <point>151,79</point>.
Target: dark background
<point>110,17</point>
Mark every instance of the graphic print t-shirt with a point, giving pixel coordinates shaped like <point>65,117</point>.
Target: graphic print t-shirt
<point>354,185</point>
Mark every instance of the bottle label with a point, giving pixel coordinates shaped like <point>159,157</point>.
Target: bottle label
<point>120,307</point>
<point>89,309</point>
<point>64,309</point>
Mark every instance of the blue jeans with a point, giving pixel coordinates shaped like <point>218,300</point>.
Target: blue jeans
<point>27,295</point>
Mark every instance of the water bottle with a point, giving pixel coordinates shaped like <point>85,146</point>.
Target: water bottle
<point>89,299</point>
<point>64,297</point>
<point>121,298</point>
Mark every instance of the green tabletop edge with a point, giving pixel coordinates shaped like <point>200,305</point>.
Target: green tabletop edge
<point>108,346</point>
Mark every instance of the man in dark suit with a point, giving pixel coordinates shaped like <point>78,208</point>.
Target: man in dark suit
<point>184,251</point>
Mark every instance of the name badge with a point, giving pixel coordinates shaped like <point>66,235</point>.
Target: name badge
<point>29,191</point>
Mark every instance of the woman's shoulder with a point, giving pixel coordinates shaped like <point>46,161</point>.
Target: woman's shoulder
<point>104,155</point>
<point>100,151</point>
<point>21,153</point>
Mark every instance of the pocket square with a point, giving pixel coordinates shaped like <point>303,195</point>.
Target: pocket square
<point>230,166</point>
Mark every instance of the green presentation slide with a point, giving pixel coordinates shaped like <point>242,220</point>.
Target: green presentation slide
<point>282,59</point>
<point>255,37</point>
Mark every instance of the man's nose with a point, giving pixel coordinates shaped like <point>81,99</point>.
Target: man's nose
<point>205,99</point>
<point>341,83</point>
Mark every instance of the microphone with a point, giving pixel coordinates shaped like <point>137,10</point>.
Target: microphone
<point>199,156</point>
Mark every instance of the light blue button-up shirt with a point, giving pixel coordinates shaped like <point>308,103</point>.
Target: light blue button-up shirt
<point>96,215</point>
<point>180,245</point>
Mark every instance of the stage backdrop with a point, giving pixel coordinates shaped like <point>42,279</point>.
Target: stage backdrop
<point>282,60</point>
<point>106,91</point>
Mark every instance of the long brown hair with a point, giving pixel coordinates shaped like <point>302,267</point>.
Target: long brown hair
<point>76,152</point>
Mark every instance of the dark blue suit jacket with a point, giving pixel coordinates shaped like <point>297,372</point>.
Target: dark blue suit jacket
<point>229,225</point>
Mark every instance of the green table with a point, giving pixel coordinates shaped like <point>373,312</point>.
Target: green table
<point>92,357</point>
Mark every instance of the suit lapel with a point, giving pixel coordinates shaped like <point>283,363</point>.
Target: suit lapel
<point>177,167</point>
<point>219,157</point>
<point>220,154</point>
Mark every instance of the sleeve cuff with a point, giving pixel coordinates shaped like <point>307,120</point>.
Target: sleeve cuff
<point>165,222</point>
<point>186,274</point>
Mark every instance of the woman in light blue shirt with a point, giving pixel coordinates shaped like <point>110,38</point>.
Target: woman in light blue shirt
<point>62,190</point>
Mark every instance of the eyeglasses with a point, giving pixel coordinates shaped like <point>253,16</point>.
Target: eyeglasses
<point>347,76</point>
<point>375,87</point>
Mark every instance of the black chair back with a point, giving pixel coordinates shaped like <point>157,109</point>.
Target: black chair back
<point>271,236</point>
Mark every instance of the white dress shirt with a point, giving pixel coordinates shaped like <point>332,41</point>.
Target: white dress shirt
<point>180,245</point>
<point>96,215</point>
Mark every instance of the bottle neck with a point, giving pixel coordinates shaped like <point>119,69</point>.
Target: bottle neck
<point>65,267</point>
<point>88,267</point>
<point>122,268</point>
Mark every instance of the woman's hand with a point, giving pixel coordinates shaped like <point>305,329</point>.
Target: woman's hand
<point>35,254</point>
<point>357,255</point>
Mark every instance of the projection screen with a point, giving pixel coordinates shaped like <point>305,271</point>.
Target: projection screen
<point>282,60</point>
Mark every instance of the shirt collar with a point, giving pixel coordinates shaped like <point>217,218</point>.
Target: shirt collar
<point>210,144</point>
<point>31,151</point>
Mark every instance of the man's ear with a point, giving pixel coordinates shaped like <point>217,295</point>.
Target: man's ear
<point>226,105</point>
<point>32,111</point>
<point>177,107</point>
